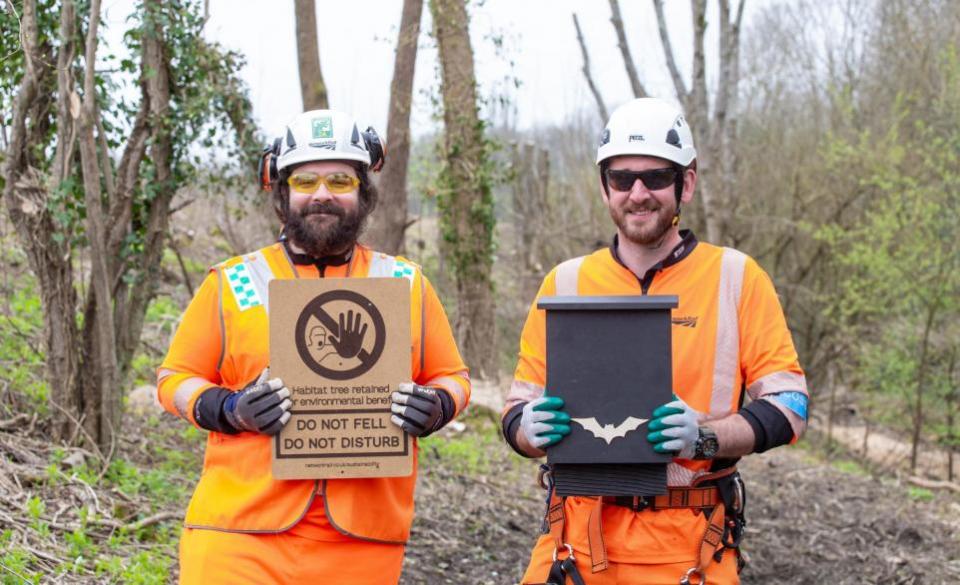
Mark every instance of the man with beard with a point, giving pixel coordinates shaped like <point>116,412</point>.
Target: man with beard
<point>243,526</point>
<point>729,335</point>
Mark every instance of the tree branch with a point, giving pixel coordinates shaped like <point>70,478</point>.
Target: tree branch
<point>601,107</point>
<point>678,84</point>
<point>66,129</point>
<point>617,20</point>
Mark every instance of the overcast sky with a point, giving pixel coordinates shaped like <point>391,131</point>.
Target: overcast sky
<point>358,38</point>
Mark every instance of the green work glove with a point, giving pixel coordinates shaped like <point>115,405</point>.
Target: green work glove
<point>674,428</point>
<point>543,422</point>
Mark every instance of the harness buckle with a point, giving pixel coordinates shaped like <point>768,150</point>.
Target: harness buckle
<point>685,580</point>
<point>569,553</point>
<point>545,477</point>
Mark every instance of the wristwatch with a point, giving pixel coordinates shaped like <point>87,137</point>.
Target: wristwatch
<point>707,444</point>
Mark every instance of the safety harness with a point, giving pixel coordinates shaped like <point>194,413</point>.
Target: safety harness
<point>720,495</point>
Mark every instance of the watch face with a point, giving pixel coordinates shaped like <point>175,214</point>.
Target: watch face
<point>710,447</point>
<point>707,444</point>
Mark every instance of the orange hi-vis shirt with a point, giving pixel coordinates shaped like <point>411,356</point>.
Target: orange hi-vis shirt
<point>728,334</point>
<point>223,340</point>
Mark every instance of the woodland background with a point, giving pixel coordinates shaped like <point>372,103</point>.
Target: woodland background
<point>828,136</point>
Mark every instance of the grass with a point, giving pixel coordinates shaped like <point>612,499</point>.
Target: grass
<point>475,452</point>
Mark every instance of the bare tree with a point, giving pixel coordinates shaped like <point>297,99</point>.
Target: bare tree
<point>312,88</point>
<point>465,199</point>
<point>714,133</point>
<point>601,107</point>
<point>390,222</point>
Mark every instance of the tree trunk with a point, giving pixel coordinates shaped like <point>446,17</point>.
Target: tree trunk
<point>831,406</point>
<point>921,382</point>
<point>465,199</point>
<point>27,198</point>
<point>107,380</point>
<point>951,408</point>
<point>312,88</point>
<point>160,151</point>
<point>714,135</point>
<point>389,224</point>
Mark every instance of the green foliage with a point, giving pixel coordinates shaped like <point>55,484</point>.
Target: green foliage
<point>897,295</point>
<point>21,351</point>
<point>133,481</point>
<point>15,566</point>
<point>466,453</point>
<point>919,494</point>
<point>143,568</point>
<point>35,510</point>
<point>850,467</point>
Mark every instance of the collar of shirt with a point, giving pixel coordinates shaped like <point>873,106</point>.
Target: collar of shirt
<point>688,241</point>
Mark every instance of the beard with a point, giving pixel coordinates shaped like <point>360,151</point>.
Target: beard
<point>320,237</point>
<point>653,229</point>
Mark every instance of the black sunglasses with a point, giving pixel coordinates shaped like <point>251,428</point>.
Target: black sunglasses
<point>654,179</point>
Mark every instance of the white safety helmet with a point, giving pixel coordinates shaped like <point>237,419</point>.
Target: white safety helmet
<point>648,127</point>
<point>328,135</point>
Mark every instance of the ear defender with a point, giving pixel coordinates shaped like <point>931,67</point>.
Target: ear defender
<point>267,166</point>
<point>376,147</point>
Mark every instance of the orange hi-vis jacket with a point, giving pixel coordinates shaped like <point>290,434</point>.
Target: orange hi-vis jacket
<point>223,340</point>
<point>728,334</point>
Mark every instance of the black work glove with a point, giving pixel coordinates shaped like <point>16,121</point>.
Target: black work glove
<point>420,410</point>
<point>262,407</point>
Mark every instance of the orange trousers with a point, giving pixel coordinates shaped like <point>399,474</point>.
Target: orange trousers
<point>210,557</point>
<point>722,573</point>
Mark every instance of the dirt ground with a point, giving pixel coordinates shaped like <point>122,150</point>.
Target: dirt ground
<point>808,522</point>
<point>478,512</point>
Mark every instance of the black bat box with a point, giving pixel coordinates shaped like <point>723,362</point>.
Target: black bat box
<point>609,358</point>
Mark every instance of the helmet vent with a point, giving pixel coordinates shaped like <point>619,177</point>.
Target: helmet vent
<point>673,138</point>
<point>290,141</point>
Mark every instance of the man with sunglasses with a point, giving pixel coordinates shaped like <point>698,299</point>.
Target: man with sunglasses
<point>729,335</point>
<point>243,526</point>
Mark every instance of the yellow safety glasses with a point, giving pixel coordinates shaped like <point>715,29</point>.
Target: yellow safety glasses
<point>337,183</point>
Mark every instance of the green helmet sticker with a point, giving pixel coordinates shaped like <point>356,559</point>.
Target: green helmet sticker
<point>322,127</point>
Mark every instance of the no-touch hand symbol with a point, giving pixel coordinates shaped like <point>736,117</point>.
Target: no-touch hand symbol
<point>341,348</point>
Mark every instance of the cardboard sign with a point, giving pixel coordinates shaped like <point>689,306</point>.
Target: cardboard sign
<point>341,345</point>
<point>609,358</point>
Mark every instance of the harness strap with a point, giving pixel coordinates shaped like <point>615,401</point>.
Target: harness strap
<point>711,542</point>
<point>598,549</point>
<point>715,538</point>
<point>676,497</point>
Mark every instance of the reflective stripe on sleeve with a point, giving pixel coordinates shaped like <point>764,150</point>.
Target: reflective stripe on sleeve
<point>727,347</point>
<point>522,391</point>
<point>185,392</point>
<point>568,277</point>
<point>778,382</point>
<point>453,385</point>
<point>162,375</point>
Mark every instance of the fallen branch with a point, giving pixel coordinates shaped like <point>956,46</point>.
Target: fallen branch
<point>14,422</point>
<point>933,484</point>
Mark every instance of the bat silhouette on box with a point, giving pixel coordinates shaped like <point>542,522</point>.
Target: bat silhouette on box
<point>609,432</point>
